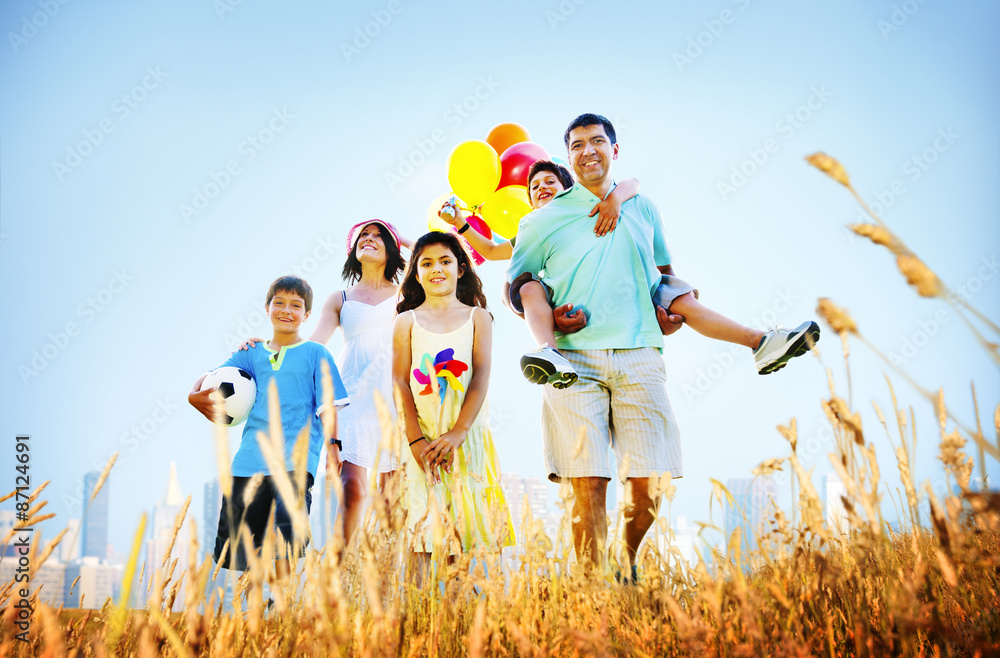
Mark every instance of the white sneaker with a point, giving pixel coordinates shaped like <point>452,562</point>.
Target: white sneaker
<point>545,365</point>
<point>781,345</point>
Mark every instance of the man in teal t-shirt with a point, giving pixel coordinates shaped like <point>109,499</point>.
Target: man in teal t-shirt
<point>620,397</point>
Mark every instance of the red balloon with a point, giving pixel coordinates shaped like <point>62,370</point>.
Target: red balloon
<point>477,223</point>
<point>516,160</point>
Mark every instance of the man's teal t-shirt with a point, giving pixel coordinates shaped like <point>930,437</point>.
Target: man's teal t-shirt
<point>611,278</point>
<point>298,373</point>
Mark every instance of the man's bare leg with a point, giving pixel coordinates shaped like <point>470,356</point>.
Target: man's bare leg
<point>640,512</point>
<point>590,526</point>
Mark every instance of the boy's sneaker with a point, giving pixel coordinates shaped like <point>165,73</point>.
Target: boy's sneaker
<point>545,365</point>
<point>781,345</point>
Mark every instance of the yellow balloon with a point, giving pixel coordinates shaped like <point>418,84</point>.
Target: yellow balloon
<point>505,208</point>
<point>474,171</point>
<point>434,222</point>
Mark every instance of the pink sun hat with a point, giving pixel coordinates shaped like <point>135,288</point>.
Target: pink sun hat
<point>352,235</point>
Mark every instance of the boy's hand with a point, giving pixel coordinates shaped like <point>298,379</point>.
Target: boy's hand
<point>610,210</point>
<point>457,220</point>
<point>334,463</point>
<point>205,402</point>
<point>248,343</point>
<point>567,320</point>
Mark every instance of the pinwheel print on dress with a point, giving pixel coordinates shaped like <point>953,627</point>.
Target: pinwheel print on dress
<point>447,369</point>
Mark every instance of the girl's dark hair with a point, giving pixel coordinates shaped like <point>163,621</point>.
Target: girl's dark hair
<point>560,172</point>
<point>470,288</point>
<point>394,262</point>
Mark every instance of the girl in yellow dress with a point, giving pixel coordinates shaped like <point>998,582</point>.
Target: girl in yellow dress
<point>442,337</point>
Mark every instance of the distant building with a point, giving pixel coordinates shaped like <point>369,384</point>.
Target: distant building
<point>157,546</point>
<point>94,541</point>
<point>7,519</point>
<point>520,491</point>
<point>89,583</point>
<point>836,515</point>
<point>212,506</point>
<point>69,547</point>
<point>754,500</point>
<point>685,539</point>
<point>50,577</point>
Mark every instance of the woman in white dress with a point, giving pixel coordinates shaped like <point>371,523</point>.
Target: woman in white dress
<point>364,311</point>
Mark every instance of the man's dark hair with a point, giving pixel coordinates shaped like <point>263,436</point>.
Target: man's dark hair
<point>560,172</point>
<point>394,262</point>
<point>293,284</point>
<point>591,120</point>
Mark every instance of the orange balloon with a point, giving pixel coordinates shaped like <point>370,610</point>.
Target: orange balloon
<point>505,135</point>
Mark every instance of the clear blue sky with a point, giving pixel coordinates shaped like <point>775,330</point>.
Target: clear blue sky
<point>115,115</point>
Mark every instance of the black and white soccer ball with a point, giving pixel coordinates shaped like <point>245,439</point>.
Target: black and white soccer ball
<point>237,388</point>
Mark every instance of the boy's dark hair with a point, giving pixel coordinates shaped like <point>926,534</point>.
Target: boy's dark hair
<point>588,119</point>
<point>290,283</point>
<point>560,172</point>
<point>469,290</point>
<point>394,263</point>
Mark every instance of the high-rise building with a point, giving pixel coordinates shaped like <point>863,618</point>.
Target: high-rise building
<point>94,541</point>
<point>754,499</point>
<point>157,546</point>
<point>211,509</point>
<point>69,547</point>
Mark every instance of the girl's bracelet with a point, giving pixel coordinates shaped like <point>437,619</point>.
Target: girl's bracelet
<point>423,438</point>
<point>464,228</point>
<point>338,443</point>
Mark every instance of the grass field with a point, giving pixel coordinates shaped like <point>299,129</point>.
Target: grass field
<point>930,589</point>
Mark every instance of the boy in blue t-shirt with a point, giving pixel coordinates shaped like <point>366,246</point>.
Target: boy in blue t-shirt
<point>295,365</point>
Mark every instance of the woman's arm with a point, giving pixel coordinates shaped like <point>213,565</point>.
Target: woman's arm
<point>611,207</point>
<point>489,249</point>
<point>329,319</point>
<point>406,409</point>
<point>442,451</point>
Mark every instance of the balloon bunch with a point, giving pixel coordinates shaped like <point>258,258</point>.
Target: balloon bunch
<point>494,188</point>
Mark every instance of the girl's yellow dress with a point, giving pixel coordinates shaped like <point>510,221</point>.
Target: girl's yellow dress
<point>471,494</point>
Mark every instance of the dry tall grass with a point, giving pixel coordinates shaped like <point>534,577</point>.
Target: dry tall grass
<point>930,589</point>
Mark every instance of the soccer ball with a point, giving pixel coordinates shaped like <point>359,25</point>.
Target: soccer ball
<point>238,389</point>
